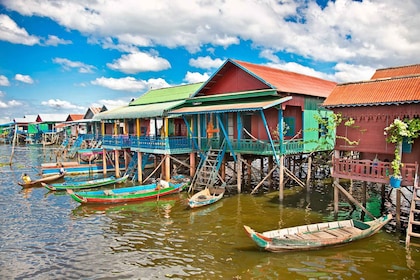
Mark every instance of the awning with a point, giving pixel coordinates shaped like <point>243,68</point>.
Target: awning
<point>139,111</point>
<point>232,107</point>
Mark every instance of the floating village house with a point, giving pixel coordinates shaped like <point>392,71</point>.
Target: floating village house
<point>362,151</point>
<point>242,113</point>
<point>253,112</point>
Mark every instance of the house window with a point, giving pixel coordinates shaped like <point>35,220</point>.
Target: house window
<point>290,125</point>
<point>322,128</point>
<point>406,147</point>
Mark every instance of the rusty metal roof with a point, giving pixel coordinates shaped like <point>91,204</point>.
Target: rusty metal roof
<point>398,90</point>
<point>393,72</point>
<point>290,82</point>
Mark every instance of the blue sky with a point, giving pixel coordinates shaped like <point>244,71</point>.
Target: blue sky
<point>64,56</point>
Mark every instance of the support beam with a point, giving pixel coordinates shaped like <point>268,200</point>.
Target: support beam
<point>281,178</point>
<point>117,164</point>
<point>168,168</point>
<point>352,199</point>
<point>139,167</point>
<point>239,172</point>
<point>104,160</point>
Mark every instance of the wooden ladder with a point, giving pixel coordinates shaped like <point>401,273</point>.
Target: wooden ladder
<point>414,217</point>
<point>208,172</point>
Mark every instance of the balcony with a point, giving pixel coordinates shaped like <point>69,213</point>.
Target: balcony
<point>370,171</point>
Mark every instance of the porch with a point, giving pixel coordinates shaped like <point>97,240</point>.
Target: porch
<point>371,171</point>
<point>182,144</point>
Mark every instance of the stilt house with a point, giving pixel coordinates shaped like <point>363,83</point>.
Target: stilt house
<point>391,98</point>
<point>251,111</point>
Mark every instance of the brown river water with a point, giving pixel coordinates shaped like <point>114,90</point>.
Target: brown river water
<point>49,236</point>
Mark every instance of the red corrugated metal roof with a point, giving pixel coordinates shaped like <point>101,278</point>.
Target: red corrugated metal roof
<point>286,81</point>
<point>75,117</point>
<point>373,92</point>
<point>397,71</point>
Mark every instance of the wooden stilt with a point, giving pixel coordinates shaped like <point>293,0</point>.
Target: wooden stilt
<point>398,210</point>
<point>223,169</point>
<point>192,164</point>
<point>336,198</point>
<point>117,164</point>
<point>239,173</point>
<point>139,167</point>
<point>249,162</point>
<point>364,195</point>
<point>270,167</point>
<point>168,168</point>
<point>262,168</point>
<point>104,160</point>
<point>308,175</point>
<point>281,179</point>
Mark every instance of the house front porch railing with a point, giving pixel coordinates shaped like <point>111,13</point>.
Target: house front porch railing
<point>186,144</point>
<point>371,171</point>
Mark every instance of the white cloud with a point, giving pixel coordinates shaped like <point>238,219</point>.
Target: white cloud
<point>139,62</point>
<point>53,40</point>
<point>195,77</point>
<point>110,104</point>
<point>355,33</point>
<point>352,73</point>
<point>8,104</point>
<point>68,64</point>
<point>11,32</point>
<point>24,79</point>
<point>130,84</point>
<point>60,104</point>
<point>206,62</point>
<point>4,81</point>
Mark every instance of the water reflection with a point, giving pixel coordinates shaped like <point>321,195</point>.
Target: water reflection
<point>50,236</point>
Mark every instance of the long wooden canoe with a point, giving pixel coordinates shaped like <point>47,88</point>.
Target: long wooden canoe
<point>45,179</point>
<point>315,236</point>
<point>205,197</point>
<point>128,194</point>
<point>85,184</point>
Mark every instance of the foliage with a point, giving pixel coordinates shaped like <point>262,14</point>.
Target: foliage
<point>395,133</point>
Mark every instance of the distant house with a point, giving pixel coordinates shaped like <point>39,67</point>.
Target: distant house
<point>362,152</point>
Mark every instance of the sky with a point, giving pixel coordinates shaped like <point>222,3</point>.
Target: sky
<point>64,56</point>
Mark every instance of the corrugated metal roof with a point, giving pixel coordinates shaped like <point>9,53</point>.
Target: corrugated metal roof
<point>181,92</point>
<point>375,92</point>
<point>52,117</point>
<point>286,81</point>
<point>139,111</point>
<point>232,107</point>
<point>397,71</point>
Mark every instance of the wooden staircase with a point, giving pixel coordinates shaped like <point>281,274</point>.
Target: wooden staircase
<point>414,217</point>
<point>132,168</point>
<point>208,171</point>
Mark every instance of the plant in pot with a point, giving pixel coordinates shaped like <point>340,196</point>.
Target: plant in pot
<point>395,133</point>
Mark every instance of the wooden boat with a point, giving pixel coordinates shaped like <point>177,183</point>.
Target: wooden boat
<point>128,194</point>
<point>45,179</point>
<point>315,236</point>
<point>74,167</point>
<point>206,196</point>
<point>85,184</point>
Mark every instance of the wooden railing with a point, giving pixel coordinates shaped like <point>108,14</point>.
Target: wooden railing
<point>371,171</point>
<point>181,143</point>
